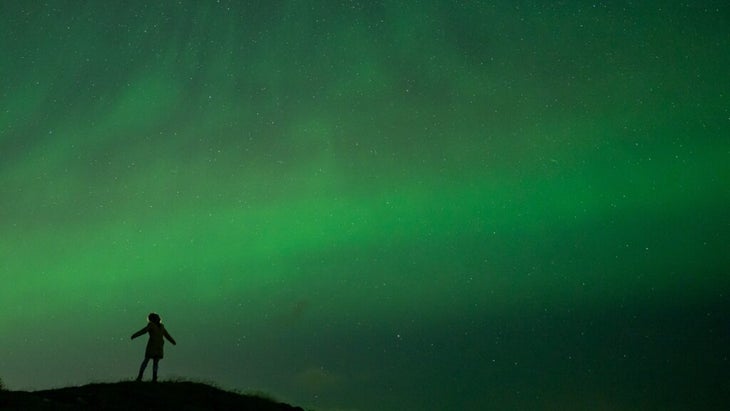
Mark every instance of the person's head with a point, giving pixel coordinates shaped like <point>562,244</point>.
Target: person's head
<point>154,318</point>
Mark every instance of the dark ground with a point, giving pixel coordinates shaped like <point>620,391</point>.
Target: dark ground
<point>138,396</point>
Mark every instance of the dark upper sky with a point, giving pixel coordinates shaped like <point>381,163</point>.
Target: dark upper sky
<point>360,205</point>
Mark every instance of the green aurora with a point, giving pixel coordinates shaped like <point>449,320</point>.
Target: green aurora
<point>371,205</point>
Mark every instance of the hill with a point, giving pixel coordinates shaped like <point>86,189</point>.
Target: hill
<point>184,396</point>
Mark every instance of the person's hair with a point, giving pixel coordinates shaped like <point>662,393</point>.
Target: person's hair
<point>154,318</point>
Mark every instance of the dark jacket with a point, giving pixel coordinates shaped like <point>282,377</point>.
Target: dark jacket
<point>156,342</point>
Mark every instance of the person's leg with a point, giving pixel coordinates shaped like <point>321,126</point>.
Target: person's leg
<point>155,366</point>
<point>142,368</point>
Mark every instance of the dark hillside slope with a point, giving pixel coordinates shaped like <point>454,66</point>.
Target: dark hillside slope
<point>184,396</point>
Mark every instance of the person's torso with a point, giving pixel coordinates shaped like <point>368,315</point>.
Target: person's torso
<point>156,331</point>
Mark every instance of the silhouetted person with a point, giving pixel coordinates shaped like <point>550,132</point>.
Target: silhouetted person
<point>155,344</point>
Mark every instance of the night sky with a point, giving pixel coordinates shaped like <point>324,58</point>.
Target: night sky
<point>371,205</point>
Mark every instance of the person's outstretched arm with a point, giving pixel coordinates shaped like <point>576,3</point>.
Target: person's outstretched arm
<point>168,336</point>
<point>140,332</point>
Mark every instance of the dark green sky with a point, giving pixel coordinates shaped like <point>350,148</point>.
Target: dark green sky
<point>360,205</point>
